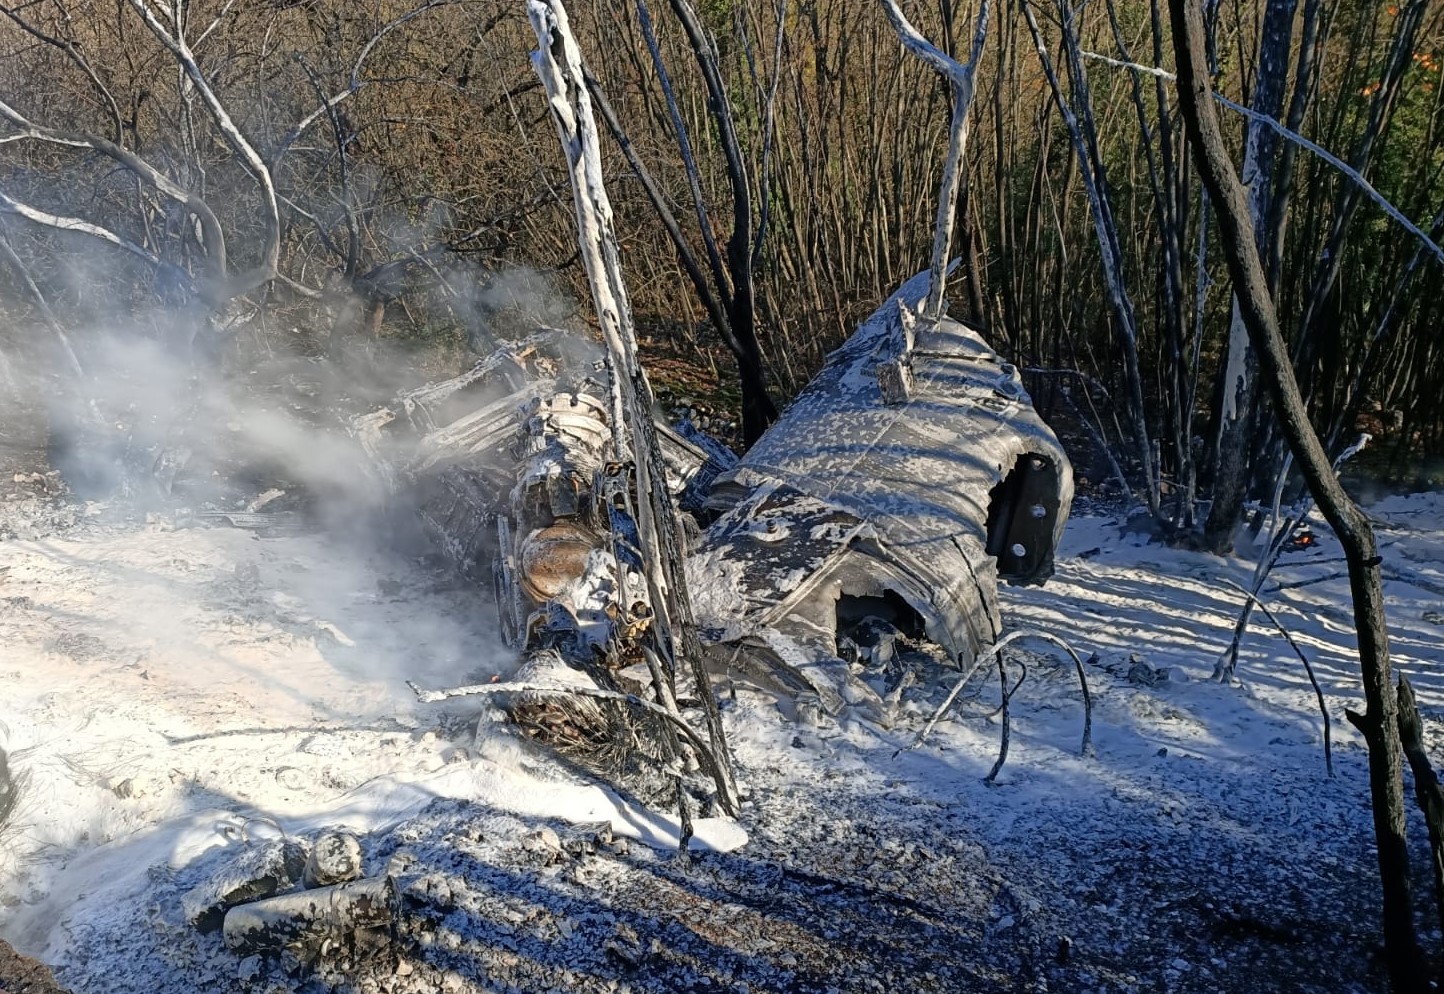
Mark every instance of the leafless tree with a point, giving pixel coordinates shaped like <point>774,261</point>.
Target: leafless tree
<point>1235,417</point>
<point>961,82</point>
<point>734,281</point>
<point>558,62</point>
<point>1077,109</point>
<point>1380,723</point>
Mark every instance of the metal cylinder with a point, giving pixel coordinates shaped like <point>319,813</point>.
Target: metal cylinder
<point>335,859</point>
<point>311,916</point>
<point>553,557</point>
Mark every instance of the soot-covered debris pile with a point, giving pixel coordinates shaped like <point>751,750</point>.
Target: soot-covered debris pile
<point>513,471</point>
<point>861,522</point>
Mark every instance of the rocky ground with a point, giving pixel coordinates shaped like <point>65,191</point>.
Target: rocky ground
<point>23,975</point>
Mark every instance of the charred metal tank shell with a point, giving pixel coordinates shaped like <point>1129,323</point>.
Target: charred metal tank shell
<point>901,493</point>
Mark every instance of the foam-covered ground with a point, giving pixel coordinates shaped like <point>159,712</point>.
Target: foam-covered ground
<point>174,696</point>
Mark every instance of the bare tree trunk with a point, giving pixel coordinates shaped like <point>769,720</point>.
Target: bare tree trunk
<point>961,80</point>
<point>1427,789</point>
<point>1163,180</point>
<point>1380,723</point>
<point>559,64</point>
<point>715,311</point>
<point>1305,79</point>
<point>1082,130</point>
<point>735,283</point>
<point>758,410</point>
<point>1236,412</point>
<point>1381,109</point>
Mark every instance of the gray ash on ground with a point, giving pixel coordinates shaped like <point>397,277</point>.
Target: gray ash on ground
<point>1202,848</point>
<point>842,893</point>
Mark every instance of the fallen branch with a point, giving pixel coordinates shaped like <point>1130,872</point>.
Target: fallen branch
<point>1308,668</point>
<point>1284,527</point>
<point>1086,749</point>
<point>1007,725</point>
<point>1296,584</point>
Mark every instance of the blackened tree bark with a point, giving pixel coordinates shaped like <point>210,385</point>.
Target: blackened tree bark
<point>688,259</point>
<point>735,281</point>
<point>1077,110</point>
<point>758,411</point>
<point>1380,723</point>
<point>1305,82</point>
<point>1428,791</point>
<point>558,63</point>
<point>1381,111</point>
<point>1164,180</point>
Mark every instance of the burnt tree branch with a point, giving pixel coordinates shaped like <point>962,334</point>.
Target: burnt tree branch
<point>558,63</point>
<point>1380,722</point>
<point>1427,789</point>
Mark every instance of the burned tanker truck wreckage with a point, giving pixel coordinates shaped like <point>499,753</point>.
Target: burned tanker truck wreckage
<point>886,495</point>
<point>878,507</point>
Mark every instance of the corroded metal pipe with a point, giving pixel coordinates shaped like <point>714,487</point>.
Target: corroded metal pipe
<point>308,916</point>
